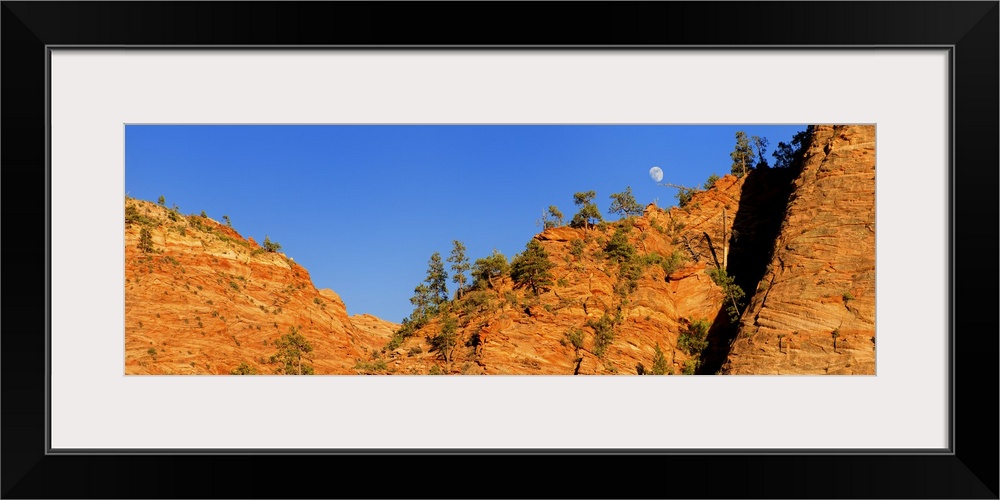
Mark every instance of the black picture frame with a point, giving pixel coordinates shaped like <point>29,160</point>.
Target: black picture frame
<point>970,29</point>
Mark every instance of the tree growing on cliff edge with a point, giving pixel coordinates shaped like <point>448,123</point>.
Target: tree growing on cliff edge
<point>742,155</point>
<point>684,195</point>
<point>557,216</point>
<point>624,204</point>
<point>760,149</point>
<point>552,218</point>
<point>270,246</point>
<point>531,267</point>
<point>437,280</point>
<point>710,182</point>
<point>787,155</point>
<point>589,213</point>
<point>459,266</point>
<point>488,269</point>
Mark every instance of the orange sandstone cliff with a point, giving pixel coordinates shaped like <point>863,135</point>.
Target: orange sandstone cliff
<point>509,330</point>
<point>203,300</point>
<point>799,242</point>
<point>814,309</point>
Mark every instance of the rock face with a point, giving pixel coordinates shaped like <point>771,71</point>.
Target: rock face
<point>509,330</point>
<point>814,310</point>
<point>202,300</point>
<point>624,297</point>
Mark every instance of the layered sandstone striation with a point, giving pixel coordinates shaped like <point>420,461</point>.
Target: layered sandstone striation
<point>205,300</point>
<point>505,329</point>
<point>201,299</point>
<point>814,310</point>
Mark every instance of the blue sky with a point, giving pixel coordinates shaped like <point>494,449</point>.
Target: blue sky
<point>363,207</point>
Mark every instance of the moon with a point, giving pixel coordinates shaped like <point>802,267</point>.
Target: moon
<point>656,173</point>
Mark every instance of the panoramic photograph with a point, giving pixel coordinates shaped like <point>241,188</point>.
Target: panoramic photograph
<point>499,250</point>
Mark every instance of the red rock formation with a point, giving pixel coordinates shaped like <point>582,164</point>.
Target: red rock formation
<point>204,300</point>
<point>819,289</point>
<point>509,330</point>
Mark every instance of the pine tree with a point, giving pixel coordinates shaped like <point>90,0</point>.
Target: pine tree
<point>531,268</point>
<point>557,217</point>
<point>786,155</point>
<point>145,241</point>
<point>459,266</point>
<point>161,200</point>
<point>447,338</point>
<point>618,248</point>
<point>760,147</point>
<point>742,155</point>
<point>734,295</point>
<point>437,280</point>
<point>659,361</point>
<point>711,181</point>
<point>624,204</point>
<point>488,269</point>
<point>684,196</point>
<point>291,347</point>
<point>589,213</point>
<point>421,301</point>
<point>271,246</point>
<point>693,339</point>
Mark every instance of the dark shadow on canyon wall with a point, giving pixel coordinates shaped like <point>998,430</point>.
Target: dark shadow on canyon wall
<point>763,205</point>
